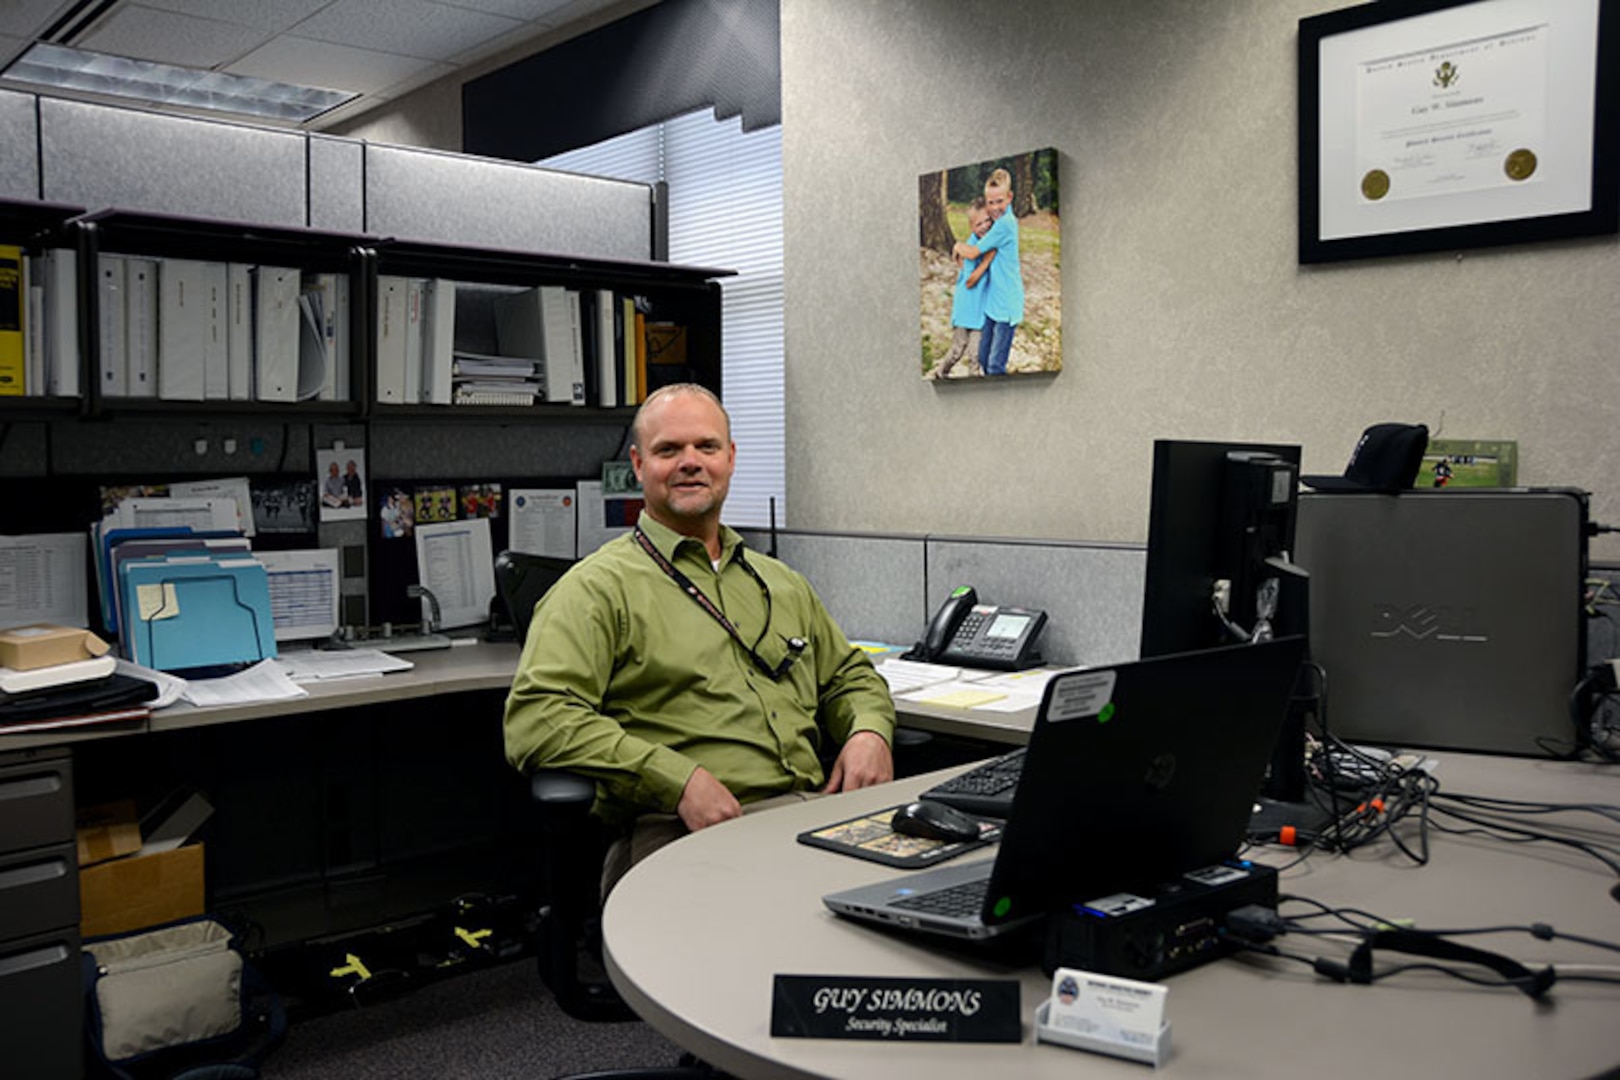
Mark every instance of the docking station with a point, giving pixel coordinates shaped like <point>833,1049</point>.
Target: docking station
<point>1148,937</point>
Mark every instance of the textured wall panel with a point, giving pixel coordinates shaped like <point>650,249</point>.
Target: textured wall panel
<point>873,586</point>
<point>1092,595</point>
<point>336,184</point>
<point>449,198</point>
<point>19,165</point>
<point>98,157</point>
<point>1186,313</point>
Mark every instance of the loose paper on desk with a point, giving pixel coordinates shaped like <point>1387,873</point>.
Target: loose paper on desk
<point>303,592</point>
<point>310,665</point>
<point>454,561</point>
<point>264,681</point>
<point>904,676</point>
<point>543,522</point>
<point>42,579</point>
<point>171,688</point>
<point>959,694</point>
<point>235,488</point>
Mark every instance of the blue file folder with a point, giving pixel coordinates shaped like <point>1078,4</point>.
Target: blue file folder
<point>107,579</point>
<point>197,613</point>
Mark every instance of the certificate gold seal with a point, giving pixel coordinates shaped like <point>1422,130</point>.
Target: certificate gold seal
<point>1375,185</point>
<point>1520,165</point>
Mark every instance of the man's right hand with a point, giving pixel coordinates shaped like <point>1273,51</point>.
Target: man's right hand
<point>706,801</point>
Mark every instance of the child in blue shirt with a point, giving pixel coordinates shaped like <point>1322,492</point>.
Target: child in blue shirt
<point>1004,296</point>
<point>967,298</point>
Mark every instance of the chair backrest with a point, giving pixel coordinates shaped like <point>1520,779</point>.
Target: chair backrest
<point>522,580</point>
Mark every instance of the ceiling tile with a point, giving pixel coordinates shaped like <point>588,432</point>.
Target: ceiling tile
<point>409,27</point>
<point>527,10</point>
<point>275,15</point>
<point>149,34</point>
<point>330,67</point>
<point>29,18</point>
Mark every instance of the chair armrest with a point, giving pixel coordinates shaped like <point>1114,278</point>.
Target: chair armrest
<point>562,791</point>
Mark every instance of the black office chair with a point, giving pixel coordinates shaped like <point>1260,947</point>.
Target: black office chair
<point>572,842</point>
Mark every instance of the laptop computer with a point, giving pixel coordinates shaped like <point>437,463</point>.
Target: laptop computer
<point>1135,775</point>
<point>1449,619</point>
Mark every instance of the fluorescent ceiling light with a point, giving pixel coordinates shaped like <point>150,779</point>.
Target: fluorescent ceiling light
<point>118,76</point>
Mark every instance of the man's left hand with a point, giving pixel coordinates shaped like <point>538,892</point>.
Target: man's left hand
<point>865,760</point>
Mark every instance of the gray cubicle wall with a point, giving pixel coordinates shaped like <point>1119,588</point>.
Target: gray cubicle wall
<point>1091,593</point>
<point>883,587</point>
<point>872,585</point>
<point>97,157</point>
<point>337,189</point>
<point>455,199</point>
<point>19,128</point>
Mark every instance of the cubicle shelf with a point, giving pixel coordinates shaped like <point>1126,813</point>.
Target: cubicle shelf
<point>543,412</point>
<point>505,267</point>
<point>181,237</point>
<point>24,221</point>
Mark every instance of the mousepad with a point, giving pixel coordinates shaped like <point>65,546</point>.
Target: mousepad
<point>870,837</point>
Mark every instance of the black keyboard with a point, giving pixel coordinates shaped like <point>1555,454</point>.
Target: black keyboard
<point>959,901</point>
<point>986,790</point>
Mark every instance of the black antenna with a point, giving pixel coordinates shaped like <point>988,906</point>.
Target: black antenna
<point>772,551</point>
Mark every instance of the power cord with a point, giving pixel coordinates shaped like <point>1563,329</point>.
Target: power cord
<point>1255,927</point>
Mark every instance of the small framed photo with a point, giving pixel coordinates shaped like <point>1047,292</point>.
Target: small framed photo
<point>340,482</point>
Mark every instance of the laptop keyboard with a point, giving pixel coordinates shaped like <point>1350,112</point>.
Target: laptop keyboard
<point>962,901</point>
<point>994,777</point>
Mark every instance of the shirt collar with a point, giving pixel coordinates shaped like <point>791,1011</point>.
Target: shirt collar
<point>669,542</point>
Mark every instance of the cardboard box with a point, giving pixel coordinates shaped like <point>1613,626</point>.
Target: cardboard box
<point>161,882</point>
<point>107,831</point>
<point>138,891</point>
<point>24,648</point>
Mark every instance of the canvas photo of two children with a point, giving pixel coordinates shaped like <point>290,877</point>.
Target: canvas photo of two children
<point>990,268</point>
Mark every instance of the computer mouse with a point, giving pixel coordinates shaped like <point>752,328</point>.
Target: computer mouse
<point>934,821</point>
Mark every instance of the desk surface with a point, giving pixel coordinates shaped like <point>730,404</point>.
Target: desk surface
<point>696,932</point>
<point>479,666</point>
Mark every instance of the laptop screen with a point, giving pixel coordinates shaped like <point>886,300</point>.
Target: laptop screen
<point>1139,773</point>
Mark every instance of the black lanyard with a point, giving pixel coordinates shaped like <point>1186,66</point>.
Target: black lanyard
<point>795,645</point>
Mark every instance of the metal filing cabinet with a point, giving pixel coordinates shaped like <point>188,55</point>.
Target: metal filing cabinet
<point>40,997</point>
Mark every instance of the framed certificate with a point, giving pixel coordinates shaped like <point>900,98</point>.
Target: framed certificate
<point>1428,125</point>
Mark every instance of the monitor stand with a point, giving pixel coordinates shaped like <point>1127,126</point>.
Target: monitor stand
<point>1284,797</point>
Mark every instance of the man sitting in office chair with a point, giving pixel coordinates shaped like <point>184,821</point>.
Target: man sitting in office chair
<point>684,675</point>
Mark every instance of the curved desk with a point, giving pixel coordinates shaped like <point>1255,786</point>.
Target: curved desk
<point>696,932</point>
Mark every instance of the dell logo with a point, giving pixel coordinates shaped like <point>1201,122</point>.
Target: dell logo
<point>1421,622</point>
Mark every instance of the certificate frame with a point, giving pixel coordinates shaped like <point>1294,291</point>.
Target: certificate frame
<point>1349,205</point>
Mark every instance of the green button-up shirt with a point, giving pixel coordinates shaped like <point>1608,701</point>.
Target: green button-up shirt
<point>626,679</point>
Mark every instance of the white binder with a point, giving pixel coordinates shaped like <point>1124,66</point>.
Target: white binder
<point>141,327</point>
<point>238,332</point>
<point>275,333</point>
<point>182,339</point>
<point>391,304</point>
<point>438,340</point>
<point>110,271</point>
<point>59,270</point>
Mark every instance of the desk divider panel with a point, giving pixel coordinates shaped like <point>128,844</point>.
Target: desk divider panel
<point>19,134</point>
<point>1091,593</point>
<point>337,184</point>
<point>478,202</point>
<point>872,585</point>
<point>103,156</point>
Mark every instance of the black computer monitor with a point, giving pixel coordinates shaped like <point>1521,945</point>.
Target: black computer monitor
<point>1220,534</point>
<point>1219,512</point>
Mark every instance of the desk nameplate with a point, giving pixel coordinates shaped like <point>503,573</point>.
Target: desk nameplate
<point>896,1010</point>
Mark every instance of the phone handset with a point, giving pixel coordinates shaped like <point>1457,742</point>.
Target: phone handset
<point>942,627</point>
